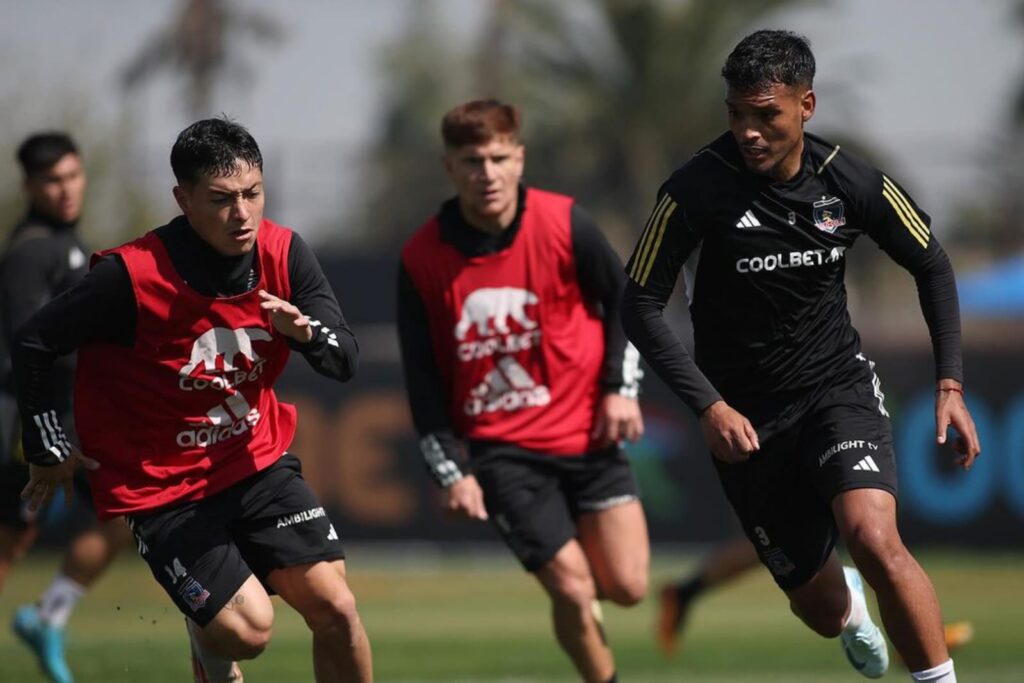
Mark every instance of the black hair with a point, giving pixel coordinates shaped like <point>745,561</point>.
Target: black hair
<point>39,152</point>
<point>765,58</point>
<point>213,147</point>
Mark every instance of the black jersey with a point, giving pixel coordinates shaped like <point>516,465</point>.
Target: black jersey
<point>43,258</point>
<point>764,263</point>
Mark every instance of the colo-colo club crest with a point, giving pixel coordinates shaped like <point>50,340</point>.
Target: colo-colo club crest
<point>828,214</point>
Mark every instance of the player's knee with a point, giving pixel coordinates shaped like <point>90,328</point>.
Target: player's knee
<point>627,591</point>
<point>332,613</point>
<point>241,642</point>
<point>878,553</point>
<point>575,588</point>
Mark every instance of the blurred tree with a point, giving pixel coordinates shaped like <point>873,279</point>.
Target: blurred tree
<point>202,44</point>
<point>616,94</point>
<point>992,222</point>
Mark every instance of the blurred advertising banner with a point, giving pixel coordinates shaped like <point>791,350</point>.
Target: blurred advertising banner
<point>361,456</point>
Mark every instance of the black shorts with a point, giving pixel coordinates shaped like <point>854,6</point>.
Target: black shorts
<point>783,494</point>
<point>533,500</point>
<point>202,552</point>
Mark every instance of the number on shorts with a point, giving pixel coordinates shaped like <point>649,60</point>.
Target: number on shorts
<point>762,536</point>
<point>178,573</point>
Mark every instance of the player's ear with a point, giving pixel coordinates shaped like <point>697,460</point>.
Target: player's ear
<point>181,197</point>
<point>807,105</point>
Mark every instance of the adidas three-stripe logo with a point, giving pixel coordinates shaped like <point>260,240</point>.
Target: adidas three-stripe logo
<point>866,464</point>
<point>55,441</point>
<point>748,220</point>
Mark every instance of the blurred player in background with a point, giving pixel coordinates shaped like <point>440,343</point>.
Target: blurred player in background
<point>760,220</point>
<point>45,257</point>
<point>181,335</point>
<point>725,563</point>
<point>507,311</point>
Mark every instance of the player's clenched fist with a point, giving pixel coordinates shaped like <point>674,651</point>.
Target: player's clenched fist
<point>730,436</point>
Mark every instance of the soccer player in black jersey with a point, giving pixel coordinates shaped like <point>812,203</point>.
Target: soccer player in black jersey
<point>44,256</point>
<point>760,220</point>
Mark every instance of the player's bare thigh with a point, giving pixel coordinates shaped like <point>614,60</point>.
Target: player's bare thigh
<point>242,628</point>
<point>616,545</point>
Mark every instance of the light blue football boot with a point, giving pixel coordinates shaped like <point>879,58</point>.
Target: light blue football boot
<point>865,647</point>
<point>45,641</point>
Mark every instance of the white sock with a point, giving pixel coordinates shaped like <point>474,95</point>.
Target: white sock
<point>943,673</point>
<point>858,611</point>
<point>59,600</point>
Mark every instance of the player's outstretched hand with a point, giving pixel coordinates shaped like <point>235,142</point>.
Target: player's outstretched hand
<point>44,482</point>
<point>617,419</point>
<point>730,436</point>
<point>465,497</point>
<point>950,410</point>
<point>286,318</point>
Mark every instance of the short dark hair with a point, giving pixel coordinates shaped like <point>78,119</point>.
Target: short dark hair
<point>765,58</point>
<point>478,121</point>
<point>40,151</point>
<point>213,147</point>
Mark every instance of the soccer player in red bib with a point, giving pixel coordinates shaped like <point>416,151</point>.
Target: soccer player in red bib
<point>508,300</point>
<point>181,335</point>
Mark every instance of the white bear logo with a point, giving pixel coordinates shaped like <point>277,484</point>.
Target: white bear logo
<point>221,341</point>
<point>497,304</point>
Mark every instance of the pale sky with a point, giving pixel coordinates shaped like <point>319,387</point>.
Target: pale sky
<point>928,82</point>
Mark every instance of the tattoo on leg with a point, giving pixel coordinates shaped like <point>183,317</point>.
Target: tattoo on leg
<point>236,601</point>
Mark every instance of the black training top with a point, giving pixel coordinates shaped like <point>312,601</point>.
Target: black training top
<point>101,308</point>
<point>764,263</point>
<point>43,258</point>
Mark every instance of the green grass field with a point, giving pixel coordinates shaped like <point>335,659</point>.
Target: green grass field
<point>457,618</point>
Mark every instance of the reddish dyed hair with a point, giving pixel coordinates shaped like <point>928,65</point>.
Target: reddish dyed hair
<point>479,121</point>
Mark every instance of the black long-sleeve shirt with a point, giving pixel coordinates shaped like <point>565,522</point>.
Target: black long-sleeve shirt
<point>764,265</point>
<point>43,258</point>
<point>102,308</point>
<point>601,280</point>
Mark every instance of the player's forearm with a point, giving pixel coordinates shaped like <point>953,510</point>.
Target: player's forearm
<point>333,351</point>
<point>443,456</point>
<point>620,367</point>
<point>936,288</point>
<point>601,280</point>
<point>645,326</point>
<point>427,403</point>
<point>43,439</point>
<point>440,447</point>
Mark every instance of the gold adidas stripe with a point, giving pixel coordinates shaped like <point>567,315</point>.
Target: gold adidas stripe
<point>645,239</point>
<point>905,210</point>
<point>657,243</point>
<point>923,241</point>
<point>906,204</point>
